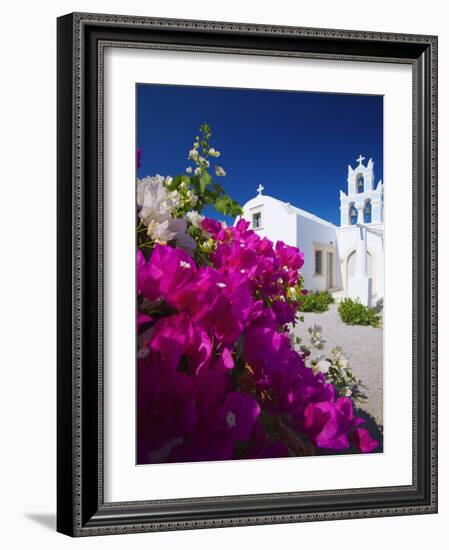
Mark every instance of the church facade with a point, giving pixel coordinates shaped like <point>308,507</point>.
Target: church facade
<point>347,260</point>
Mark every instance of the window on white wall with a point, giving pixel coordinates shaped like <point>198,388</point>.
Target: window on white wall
<point>257,220</point>
<point>318,262</point>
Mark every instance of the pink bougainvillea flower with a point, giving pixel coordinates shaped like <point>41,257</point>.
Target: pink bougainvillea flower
<point>363,440</point>
<point>166,409</point>
<point>175,337</point>
<point>212,226</point>
<point>166,272</point>
<point>221,305</point>
<point>289,256</point>
<point>198,349</point>
<point>224,362</point>
<point>227,418</point>
<point>238,415</point>
<point>327,425</point>
<point>169,340</point>
<point>214,352</point>
<point>266,349</point>
<point>143,319</point>
<point>240,249</point>
<point>284,312</point>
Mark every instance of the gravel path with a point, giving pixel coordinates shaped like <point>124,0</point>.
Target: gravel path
<point>364,346</point>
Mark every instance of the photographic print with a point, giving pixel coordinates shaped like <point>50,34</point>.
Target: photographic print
<point>260,273</point>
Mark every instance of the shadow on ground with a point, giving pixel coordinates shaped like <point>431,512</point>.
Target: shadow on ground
<point>46,520</point>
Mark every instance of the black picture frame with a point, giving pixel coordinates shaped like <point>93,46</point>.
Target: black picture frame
<point>81,509</point>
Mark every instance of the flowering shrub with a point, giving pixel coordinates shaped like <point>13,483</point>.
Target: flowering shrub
<point>218,375</point>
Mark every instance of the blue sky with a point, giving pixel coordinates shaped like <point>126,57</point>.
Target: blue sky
<point>296,144</point>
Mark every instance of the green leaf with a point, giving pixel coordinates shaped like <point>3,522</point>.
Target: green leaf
<point>221,205</point>
<point>177,182</point>
<point>206,178</point>
<point>218,188</point>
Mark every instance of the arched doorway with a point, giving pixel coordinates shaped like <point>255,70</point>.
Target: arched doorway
<point>350,269</point>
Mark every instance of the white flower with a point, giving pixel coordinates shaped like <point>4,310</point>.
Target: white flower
<point>196,145</point>
<point>157,206</point>
<point>219,171</point>
<point>339,357</point>
<point>189,169</point>
<point>193,155</point>
<point>316,338</point>
<point>156,201</point>
<point>161,232</point>
<point>214,153</point>
<point>150,184</point>
<point>183,239</point>
<point>191,197</point>
<point>323,365</point>
<point>197,171</point>
<point>174,199</point>
<point>168,180</point>
<point>194,218</point>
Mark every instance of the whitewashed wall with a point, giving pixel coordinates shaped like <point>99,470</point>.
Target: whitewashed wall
<point>310,231</point>
<point>347,243</point>
<point>277,223</point>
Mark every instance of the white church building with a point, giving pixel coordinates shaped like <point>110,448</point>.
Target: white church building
<point>347,260</point>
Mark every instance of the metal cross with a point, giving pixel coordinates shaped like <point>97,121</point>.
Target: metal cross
<point>260,189</point>
<point>360,159</point>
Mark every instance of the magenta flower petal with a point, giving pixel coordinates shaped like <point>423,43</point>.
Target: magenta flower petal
<point>363,440</point>
<point>239,414</point>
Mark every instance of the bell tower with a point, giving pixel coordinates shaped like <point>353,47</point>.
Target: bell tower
<point>363,202</point>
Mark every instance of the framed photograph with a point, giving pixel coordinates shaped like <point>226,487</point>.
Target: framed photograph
<point>247,278</point>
